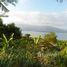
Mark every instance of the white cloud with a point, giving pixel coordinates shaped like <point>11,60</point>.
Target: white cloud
<point>38,18</point>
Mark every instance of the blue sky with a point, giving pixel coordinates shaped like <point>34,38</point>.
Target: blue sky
<point>41,5</point>
<point>39,12</point>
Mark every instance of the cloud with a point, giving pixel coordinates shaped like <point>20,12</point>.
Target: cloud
<point>38,18</point>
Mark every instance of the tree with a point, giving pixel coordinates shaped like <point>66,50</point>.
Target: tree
<point>51,37</point>
<point>4,3</point>
<point>9,29</point>
<point>60,1</point>
<point>1,22</point>
<point>27,36</point>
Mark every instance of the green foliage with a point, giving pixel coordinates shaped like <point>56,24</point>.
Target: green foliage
<point>51,37</point>
<point>1,22</point>
<point>35,44</point>
<point>27,36</point>
<point>61,58</point>
<point>9,29</point>
<point>23,53</point>
<point>6,41</point>
<point>36,40</point>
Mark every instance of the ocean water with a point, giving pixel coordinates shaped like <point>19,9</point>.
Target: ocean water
<point>61,36</point>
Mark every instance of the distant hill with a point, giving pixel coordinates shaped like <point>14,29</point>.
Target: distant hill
<point>40,28</point>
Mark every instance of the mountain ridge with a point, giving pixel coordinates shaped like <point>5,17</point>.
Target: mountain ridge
<point>37,28</point>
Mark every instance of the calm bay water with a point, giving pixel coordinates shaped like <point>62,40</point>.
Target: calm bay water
<point>61,36</point>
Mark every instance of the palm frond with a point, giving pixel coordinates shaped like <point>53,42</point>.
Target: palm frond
<point>59,1</point>
<point>4,3</point>
<point>3,7</point>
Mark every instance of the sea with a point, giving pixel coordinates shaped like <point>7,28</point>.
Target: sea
<point>60,36</point>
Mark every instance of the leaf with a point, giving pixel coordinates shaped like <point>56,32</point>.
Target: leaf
<point>5,39</point>
<point>11,37</point>
<point>5,42</point>
<point>36,39</point>
<point>33,38</point>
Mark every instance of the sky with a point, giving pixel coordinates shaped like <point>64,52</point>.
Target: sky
<point>38,12</point>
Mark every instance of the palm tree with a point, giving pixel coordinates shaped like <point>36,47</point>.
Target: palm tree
<point>4,3</point>
<point>60,1</point>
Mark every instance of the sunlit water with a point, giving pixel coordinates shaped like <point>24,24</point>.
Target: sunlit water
<point>62,36</point>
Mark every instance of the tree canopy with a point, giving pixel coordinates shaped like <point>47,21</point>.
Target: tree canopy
<point>9,29</point>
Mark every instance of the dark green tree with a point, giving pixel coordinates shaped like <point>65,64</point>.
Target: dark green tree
<point>9,29</point>
<point>1,22</point>
<point>27,36</point>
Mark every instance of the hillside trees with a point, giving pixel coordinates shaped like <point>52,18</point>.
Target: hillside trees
<point>9,29</point>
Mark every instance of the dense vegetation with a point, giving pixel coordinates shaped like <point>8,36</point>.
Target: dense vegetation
<point>30,51</point>
<point>9,29</point>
